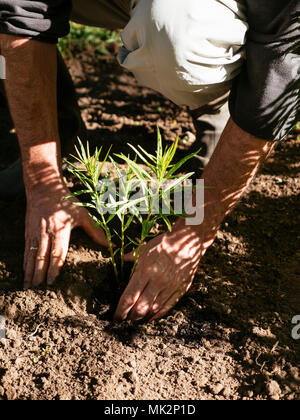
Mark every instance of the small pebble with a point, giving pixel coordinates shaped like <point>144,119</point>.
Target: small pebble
<point>189,137</point>
<point>274,390</point>
<point>132,364</point>
<point>216,389</point>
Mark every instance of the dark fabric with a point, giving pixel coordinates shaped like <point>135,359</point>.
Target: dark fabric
<point>265,97</point>
<point>45,20</point>
<point>70,122</point>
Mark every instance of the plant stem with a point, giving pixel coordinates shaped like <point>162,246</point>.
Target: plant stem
<point>139,248</point>
<point>111,249</point>
<point>107,231</point>
<point>122,245</point>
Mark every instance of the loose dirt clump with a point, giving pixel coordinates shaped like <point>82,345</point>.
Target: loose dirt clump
<point>229,338</point>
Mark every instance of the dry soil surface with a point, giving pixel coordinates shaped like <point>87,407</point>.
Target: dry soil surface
<point>229,338</point>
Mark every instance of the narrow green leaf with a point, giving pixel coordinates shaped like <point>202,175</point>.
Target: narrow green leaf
<point>117,234</point>
<point>88,205</point>
<point>128,223</point>
<point>142,157</point>
<point>177,182</point>
<point>180,164</point>
<point>140,172</point>
<point>168,223</point>
<point>132,241</point>
<point>77,193</point>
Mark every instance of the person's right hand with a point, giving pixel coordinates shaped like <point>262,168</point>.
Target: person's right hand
<point>49,222</point>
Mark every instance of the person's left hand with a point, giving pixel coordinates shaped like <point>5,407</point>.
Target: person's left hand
<point>165,272</point>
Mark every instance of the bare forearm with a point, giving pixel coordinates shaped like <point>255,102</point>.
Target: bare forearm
<point>231,169</point>
<point>31,91</point>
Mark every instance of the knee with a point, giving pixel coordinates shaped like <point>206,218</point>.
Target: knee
<point>177,49</point>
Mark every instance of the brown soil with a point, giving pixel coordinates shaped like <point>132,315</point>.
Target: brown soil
<point>230,338</point>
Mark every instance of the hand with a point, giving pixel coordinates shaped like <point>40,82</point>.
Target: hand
<point>167,267</point>
<point>49,222</point>
<point>165,272</point>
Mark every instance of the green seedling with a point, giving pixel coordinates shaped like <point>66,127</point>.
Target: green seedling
<point>140,195</point>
